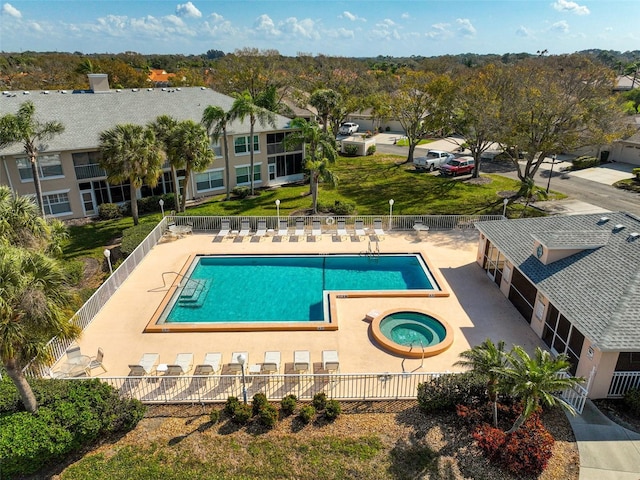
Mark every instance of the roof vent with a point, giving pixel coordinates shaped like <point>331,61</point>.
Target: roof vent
<point>603,220</point>
<point>203,88</point>
<point>118,90</point>
<point>617,227</point>
<point>5,93</point>
<point>134,89</point>
<point>164,89</point>
<point>46,92</point>
<point>25,93</point>
<point>63,91</point>
<point>633,236</point>
<point>177,89</point>
<point>149,89</point>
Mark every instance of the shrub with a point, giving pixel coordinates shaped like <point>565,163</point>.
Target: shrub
<point>636,172</point>
<point>523,452</point>
<point>109,211</point>
<point>242,414</point>
<point>307,413</point>
<point>71,415</point>
<point>343,208</point>
<point>214,416</point>
<point>288,404</point>
<point>332,409</point>
<point>133,236</point>
<point>585,162</point>
<point>632,401</point>
<point>241,192</point>
<point>320,401</point>
<point>152,204</point>
<point>350,150</point>
<point>231,405</point>
<point>371,149</point>
<point>259,401</point>
<point>443,393</point>
<point>387,129</point>
<point>268,415</point>
<point>75,270</point>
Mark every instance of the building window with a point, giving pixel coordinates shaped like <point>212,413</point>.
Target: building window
<point>56,203</point>
<point>209,180</point>
<point>242,174</point>
<point>242,144</point>
<point>216,148</point>
<point>48,166</point>
<point>562,337</point>
<point>87,165</point>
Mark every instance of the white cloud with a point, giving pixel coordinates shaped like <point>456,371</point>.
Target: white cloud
<point>188,10</point>
<point>388,22</point>
<point>385,30</point>
<point>349,16</point>
<point>340,33</point>
<point>560,27</point>
<point>265,25</point>
<point>523,32</point>
<point>36,26</point>
<point>8,9</point>
<point>216,18</point>
<point>572,7</point>
<point>177,21</point>
<point>300,28</point>
<point>439,30</point>
<point>465,27</point>
<point>405,16</point>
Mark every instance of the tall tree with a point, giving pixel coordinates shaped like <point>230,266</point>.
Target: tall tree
<point>537,380</point>
<point>215,120</point>
<point>24,128</point>
<point>320,151</point>
<point>162,128</point>
<point>325,101</point>
<point>190,142</point>
<point>131,153</point>
<point>422,105</point>
<point>33,293</point>
<point>245,106</point>
<point>486,360</point>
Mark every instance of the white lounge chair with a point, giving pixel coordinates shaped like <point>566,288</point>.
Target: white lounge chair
<point>316,230</point>
<point>148,362</point>
<point>234,365</point>
<point>301,360</point>
<point>341,230</point>
<point>271,362</point>
<point>377,227</point>
<point>299,231</point>
<point>223,232</point>
<point>359,228</point>
<point>244,228</point>
<point>184,361</point>
<point>210,365</point>
<point>261,231</point>
<point>283,228</point>
<point>330,361</point>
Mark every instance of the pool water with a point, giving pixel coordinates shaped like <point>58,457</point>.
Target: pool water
<point>273,288</point>
<point>413,328</point>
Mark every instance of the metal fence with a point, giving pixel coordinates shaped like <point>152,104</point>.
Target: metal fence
<point>622,382</point>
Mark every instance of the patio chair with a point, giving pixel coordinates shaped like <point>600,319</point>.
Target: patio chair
<point>299,231</point>
<point>73,352</point>
<point>261,231</point>
<point>316,230</point>
<point>330,360</point>
<point>210,365</point>
<point>223,232</point>
<point>148,362</point>
<point>359,228</point>
<point>377,227</point>
<point>271,362</point>
<point>418,226</point>
<point>137,371</point>
<point>341,230</point>
<point>184,361</point>
<point>97,360</point>
<point>283,229</point>
<point>234,365</point>
<point>301,360</point>
<point>244,231</point>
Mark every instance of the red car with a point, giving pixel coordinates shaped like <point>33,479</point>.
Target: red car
<point>458,166</point>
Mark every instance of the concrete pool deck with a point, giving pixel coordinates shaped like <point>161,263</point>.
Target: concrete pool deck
<point>476,309</point>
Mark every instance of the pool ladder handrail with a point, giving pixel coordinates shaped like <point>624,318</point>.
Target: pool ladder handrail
<point>371,253</point>
<point>421,361</point>
<point>189,279</point>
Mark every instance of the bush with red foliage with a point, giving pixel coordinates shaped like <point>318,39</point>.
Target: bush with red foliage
<point>524,452</point>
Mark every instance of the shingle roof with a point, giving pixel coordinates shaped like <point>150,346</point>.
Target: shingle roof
<point>85,115</point>
<point>597,289</point>
<point>572,239</point>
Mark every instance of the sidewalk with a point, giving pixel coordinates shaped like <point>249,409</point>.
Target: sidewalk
<point>607,450</point>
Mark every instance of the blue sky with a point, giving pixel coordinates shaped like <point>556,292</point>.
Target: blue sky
<point>341,28</point>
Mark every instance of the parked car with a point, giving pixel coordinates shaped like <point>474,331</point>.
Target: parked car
<point>458,166</point>
<point>348,128</point>
<point>433,159</point>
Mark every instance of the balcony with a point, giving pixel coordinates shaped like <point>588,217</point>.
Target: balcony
<point>89,171</point>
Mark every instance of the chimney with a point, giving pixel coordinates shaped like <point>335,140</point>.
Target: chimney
<point>98,82</point>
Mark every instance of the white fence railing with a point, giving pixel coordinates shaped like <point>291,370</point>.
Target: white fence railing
<point>575,396</point>
<point>622,382</point>
<point>217,388</point>
<point>56,347</point>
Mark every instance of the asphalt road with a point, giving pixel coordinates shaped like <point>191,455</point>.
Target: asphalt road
<point>602,195</point>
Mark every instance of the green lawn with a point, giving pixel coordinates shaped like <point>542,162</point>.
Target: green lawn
<point>368,182</point>
<point>405,143</point>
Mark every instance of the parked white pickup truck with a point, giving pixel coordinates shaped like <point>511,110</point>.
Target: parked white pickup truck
<point>432,160</point>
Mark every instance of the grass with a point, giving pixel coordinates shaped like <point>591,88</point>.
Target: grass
<point>405,142</point>
<point>368,182</point>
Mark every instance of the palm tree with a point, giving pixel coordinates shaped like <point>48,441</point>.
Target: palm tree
<point>486,360</point>
<point>537,380</point>
<point>130,152</point>
<point>189,142</point>
<point>162,127</point>
<point>24,128</point>
<point>215,120</point>
<point>325,101</point>
<point>320,151</point>
<point>245,106</point>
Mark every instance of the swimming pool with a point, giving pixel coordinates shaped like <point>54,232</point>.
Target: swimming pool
<point>282,289</point>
